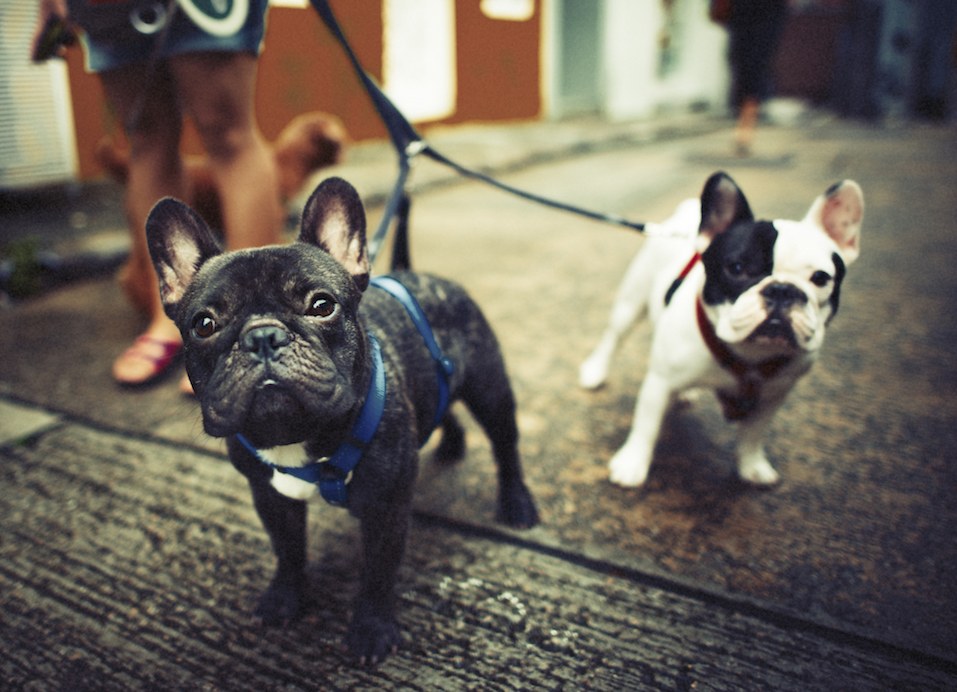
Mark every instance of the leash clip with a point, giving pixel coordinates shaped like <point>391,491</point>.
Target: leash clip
<point>414,148</point>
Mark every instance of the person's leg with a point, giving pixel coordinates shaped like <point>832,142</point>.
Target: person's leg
<point>148,107</point>
<point>217,92</point>
<point>744,127</point>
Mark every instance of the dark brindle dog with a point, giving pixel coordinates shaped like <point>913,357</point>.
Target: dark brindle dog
<point>319,380</point>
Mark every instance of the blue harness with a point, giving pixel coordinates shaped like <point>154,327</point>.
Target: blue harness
<point>444,366</point>
<point>333,474</point>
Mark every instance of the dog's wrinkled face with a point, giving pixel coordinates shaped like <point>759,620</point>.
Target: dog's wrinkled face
<point>273,346</point>
<point>271,342</point>
<point>771,287</point>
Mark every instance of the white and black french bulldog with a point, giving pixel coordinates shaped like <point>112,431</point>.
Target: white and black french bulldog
<point>739,306</point>
<point>319,380</point>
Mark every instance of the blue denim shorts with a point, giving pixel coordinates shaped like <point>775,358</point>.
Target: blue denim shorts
<point>126,45</point>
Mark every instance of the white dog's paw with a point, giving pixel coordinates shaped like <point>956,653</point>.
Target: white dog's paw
<point>689,397</point>
<point>628,468</point>
<point>593,373</point>
<point>758,471</point>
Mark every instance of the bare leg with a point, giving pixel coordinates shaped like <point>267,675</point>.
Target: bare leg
<point>155,171</point>
<point>217,91</point>
<point>747,122</point>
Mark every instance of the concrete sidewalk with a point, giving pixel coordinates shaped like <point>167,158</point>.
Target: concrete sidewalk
<point>131,555</point>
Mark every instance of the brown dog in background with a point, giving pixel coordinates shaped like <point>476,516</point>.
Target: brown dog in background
<point>310,142</point>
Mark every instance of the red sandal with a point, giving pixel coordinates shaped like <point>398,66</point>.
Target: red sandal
<point>156,355</point>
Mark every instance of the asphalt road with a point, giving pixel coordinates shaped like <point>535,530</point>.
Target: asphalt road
<point>131,557</point>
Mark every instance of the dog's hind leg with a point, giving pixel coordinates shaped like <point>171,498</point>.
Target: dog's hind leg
<point>489,397</point>
<point>630,305</point>
<point>452,445</point>
<point>629,467</point>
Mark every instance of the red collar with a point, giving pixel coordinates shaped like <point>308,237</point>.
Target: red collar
<point>750,376</point>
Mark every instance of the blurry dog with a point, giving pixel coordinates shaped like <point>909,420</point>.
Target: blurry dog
<point>310,142</point>
<point>739,305</point>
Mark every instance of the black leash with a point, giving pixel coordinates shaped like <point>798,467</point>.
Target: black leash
<point>409,143</point>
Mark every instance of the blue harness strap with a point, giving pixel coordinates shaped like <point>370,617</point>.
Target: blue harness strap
<point>444,366</point>
<point>332,475</point>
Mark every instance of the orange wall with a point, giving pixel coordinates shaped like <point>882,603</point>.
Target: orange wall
<point>498,65</point>
<point>303,68</point>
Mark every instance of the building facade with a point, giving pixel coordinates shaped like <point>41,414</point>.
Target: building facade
<point>442,61</point>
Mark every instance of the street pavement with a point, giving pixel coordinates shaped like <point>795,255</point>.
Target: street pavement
<point>131,556</point>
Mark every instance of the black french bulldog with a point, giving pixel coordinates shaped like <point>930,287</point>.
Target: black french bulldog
<point>292,360</point>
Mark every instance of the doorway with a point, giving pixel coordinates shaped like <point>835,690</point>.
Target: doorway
<point>577,84</point>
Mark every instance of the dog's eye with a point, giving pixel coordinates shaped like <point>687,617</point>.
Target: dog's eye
<point>322,305</point>
<point>735,269</point>
<point>820,278</point>
<point>204,326</point>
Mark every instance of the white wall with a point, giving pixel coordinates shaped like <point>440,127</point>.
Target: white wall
<point>630,58</point>
<point>633,84</point>
<point>703,73</point>
<point>419,62</point>
<point>37,143</point>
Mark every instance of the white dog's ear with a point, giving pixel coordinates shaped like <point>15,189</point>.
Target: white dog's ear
<point>179,243</point>
<point>335,220</point>
<point>839,213</point>
<point>722,204</point>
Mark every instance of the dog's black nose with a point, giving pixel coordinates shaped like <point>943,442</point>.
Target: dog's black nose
<point>782,295</point>
<point>265,342</point>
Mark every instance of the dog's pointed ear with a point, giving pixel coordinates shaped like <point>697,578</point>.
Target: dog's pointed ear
<point>335,220</point>
<point>722,204</point>
<point>179,242</point>
<point>839,212</point>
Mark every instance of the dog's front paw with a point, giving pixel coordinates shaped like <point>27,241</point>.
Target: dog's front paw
<point>629,468</point>
<point>758,471</point>
<point>593,372</point>
<point>282,602</point>
<point>688,397</point>
<point>372,638</point>
<point>516,508</point>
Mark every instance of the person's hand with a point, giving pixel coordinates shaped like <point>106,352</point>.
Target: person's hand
<point>53,32</point>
